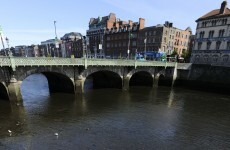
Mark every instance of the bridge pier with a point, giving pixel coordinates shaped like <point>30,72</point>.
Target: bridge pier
<point>126,80</point>
<point>14,90</point>
<point>79,85</point>
<point>155,80</point>
<point>174,74</point>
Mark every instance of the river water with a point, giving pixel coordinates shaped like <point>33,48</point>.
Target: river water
<point>142,118</point>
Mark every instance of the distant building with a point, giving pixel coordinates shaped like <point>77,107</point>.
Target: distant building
<point>51,48</point>
<point>20,50</point>
<point>96,31</point>
<point>72,45</point>
<point>212,42</point>
<point>165,38</point>
<point>121,38</point>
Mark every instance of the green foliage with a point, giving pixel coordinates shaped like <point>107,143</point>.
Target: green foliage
<point>186,55</point>
<point>174,53</point>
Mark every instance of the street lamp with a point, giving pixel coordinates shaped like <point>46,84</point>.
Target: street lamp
<point>128,51</point>
<point>145,41</point>
<point>7,41</point>
<point>84,46</point>
<point>55,29</point>
<point>128,44</point>
<point>2,40</point>
<point>56,39</point>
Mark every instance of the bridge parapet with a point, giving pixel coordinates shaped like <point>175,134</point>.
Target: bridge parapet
<point>184,66</point>
<point>50,61</point>
<point>5,61</point>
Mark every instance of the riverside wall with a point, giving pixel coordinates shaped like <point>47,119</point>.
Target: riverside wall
<point>205,77</point>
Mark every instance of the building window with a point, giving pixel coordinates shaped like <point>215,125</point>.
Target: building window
<point>202,34</point>
<point>208,45</point>
<point>149,40</point>
<point>224,21</point>
<point>204,24</point>
<point>214,23</point>
<point>211,33</point>
<point>221,33</point>
<point>218,43</point>
<point>228,45</point>
<point>134,43</point>
<point>199,45</point>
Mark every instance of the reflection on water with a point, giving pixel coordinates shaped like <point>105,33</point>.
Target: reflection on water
<point>142,118</point>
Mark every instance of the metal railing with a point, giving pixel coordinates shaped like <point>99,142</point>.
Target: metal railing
<point>50,61</point>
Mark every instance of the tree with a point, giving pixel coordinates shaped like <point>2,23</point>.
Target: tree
<point>174,53</point>
<point>186,54</point>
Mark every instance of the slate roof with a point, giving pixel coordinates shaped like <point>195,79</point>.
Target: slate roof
<point>215,14</point>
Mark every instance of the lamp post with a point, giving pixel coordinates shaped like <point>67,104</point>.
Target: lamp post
<point>145,41</point>
<point>1,34</point>
<point>128,44</point>
<point>56,39</point>
<point>55,29</point>
<point>84,46</point>
<point>7,41</point>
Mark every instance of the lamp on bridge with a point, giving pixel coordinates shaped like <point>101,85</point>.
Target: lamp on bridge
<point>7,41</point>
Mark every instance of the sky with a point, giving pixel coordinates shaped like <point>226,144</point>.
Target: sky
<point>26,22</point>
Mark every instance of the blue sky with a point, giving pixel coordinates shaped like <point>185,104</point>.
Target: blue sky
<point>27,22</point>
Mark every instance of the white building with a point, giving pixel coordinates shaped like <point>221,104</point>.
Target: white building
<point>212,42</point>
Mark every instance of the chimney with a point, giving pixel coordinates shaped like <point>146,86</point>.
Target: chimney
<point>131,23</point>
<point>141,23</point>
<point>223,7</point>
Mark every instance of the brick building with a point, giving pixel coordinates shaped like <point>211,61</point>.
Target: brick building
<point>165,38</point>
<point>114,38</point>
<point>121,38</point>
<point>96,31</point>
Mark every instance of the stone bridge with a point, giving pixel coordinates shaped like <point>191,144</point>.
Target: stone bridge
<point>69,74</point>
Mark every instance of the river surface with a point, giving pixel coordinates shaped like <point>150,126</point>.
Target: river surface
<point>111,119</point>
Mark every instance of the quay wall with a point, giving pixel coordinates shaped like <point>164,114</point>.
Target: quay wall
<point>205,77</point>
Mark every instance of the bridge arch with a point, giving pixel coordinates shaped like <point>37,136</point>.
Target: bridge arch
<point>161,79</point>
<point>141,78</point>
<point>104,79</point>
<point>91,70</point>
<point>58,80</point>
<point>3,91</point>
<point>22,73</point>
